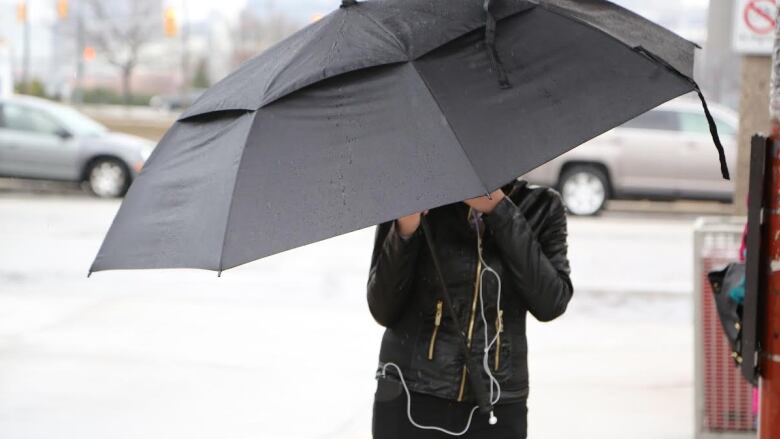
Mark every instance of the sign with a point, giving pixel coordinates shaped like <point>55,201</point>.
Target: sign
<point>754,26</point>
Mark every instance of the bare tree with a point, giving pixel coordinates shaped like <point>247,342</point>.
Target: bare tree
<point>120,29</point>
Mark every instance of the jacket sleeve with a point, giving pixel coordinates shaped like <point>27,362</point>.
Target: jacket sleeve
<point>538,267</point>
<point>392,268</point>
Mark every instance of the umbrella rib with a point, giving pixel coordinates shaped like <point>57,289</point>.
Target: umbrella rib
<point>267,97</point>
<point>652,57</point>
<point>385,30</point>
<point>452,129</point>
<point>233,194</point>
<point>565,13</point>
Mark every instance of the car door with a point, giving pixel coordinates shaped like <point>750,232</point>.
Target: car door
<point>700,176</point>
<point>648,156</point>
<point>34,145</point>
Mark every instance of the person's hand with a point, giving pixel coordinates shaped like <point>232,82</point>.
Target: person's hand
<point>408,224</point>
<point>485,204</point>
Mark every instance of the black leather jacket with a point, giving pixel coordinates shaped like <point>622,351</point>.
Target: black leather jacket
<point>524,240</point>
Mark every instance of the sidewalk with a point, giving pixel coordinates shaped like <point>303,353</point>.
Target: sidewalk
<point>285,347</point>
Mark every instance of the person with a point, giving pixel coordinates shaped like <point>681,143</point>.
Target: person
<point>502,256</point>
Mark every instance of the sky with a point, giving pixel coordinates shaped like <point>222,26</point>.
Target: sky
<point>678,11</point>
<point>304,9</point>
<point>681,11</point>
<point>686,17</point>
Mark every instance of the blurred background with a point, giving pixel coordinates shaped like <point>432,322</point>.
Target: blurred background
<point>87,87</point>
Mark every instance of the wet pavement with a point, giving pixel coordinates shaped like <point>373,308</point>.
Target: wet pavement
<point>285,347</point>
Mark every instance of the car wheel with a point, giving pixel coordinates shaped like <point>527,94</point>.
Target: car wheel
<point>584,189</point>
<point>108,178</point>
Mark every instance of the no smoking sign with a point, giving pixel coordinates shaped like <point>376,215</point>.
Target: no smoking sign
<point>754,26</point>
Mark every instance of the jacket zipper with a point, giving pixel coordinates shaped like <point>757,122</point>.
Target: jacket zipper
<point>499,330</point>
<point>470,333</point>
<point>436,324</point>
<point>472,317</point>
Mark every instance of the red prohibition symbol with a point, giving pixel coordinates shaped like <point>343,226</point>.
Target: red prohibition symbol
<point>758,17</point>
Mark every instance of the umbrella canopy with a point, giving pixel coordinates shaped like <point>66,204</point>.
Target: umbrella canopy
<point>381,109</point>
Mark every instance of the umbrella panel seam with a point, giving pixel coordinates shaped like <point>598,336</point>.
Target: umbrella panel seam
<point>556,7</point>
<point>449,125</point>
<point>384,29</point>
<point>660,62</point>
<point>233,193</point>
<point>561,12</point>
<point>265,101</point>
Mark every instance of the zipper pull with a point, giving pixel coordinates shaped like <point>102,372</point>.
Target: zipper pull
<point>499,330</point>
<point>436,324</point>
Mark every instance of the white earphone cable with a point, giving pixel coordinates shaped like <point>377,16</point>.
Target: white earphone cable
<point>409,407</point>
<point>489,343</point>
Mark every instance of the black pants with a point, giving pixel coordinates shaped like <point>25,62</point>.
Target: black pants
<point>390,420</point>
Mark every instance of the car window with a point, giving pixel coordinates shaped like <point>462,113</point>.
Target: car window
<point>696,123</point>
<point>74,121</point>
<point>655,120</point>
<point>725,129</point>
<point>20,118</point>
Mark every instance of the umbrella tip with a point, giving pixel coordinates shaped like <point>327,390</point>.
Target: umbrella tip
<point>348,3</point>
<point>219,273</point>
<point>89,273</point>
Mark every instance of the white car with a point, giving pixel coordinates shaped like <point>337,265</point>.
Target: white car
<point>666,153</point>
<point>40,139</point>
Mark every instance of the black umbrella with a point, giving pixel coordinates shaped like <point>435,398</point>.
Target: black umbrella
<point>383,108</point>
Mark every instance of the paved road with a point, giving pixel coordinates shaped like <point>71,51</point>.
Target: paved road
<point>285,348</point>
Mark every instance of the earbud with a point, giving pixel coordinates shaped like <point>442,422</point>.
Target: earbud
<point>493,419</point>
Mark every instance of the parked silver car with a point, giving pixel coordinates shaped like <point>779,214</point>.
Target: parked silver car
<point>41,139</point>
<point>666,153</point>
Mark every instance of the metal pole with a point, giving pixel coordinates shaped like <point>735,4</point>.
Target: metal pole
<point>185,60</point>
<point>769,360</point>
<point>55,73</point>
<point>78,94</point>
<point>26,50</point>
<point>769,384</point>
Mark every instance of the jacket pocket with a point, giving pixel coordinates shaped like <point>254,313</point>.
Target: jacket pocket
<point>436,325</point>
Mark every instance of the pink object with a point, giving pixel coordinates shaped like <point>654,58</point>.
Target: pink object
<point>743,245</point>
<point>742,255</point>
<point>755,401</point>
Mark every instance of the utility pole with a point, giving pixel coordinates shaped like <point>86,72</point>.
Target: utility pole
<point>718,68</point>
<point>78,89</point>
<point>185,53</point>
<point>769,302</point>
<point>755,24</point>
<point>64,19</point>
<point>769,361</point>
<point>753,117</point>
<point>752,37</point>
<point>23,18</point>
